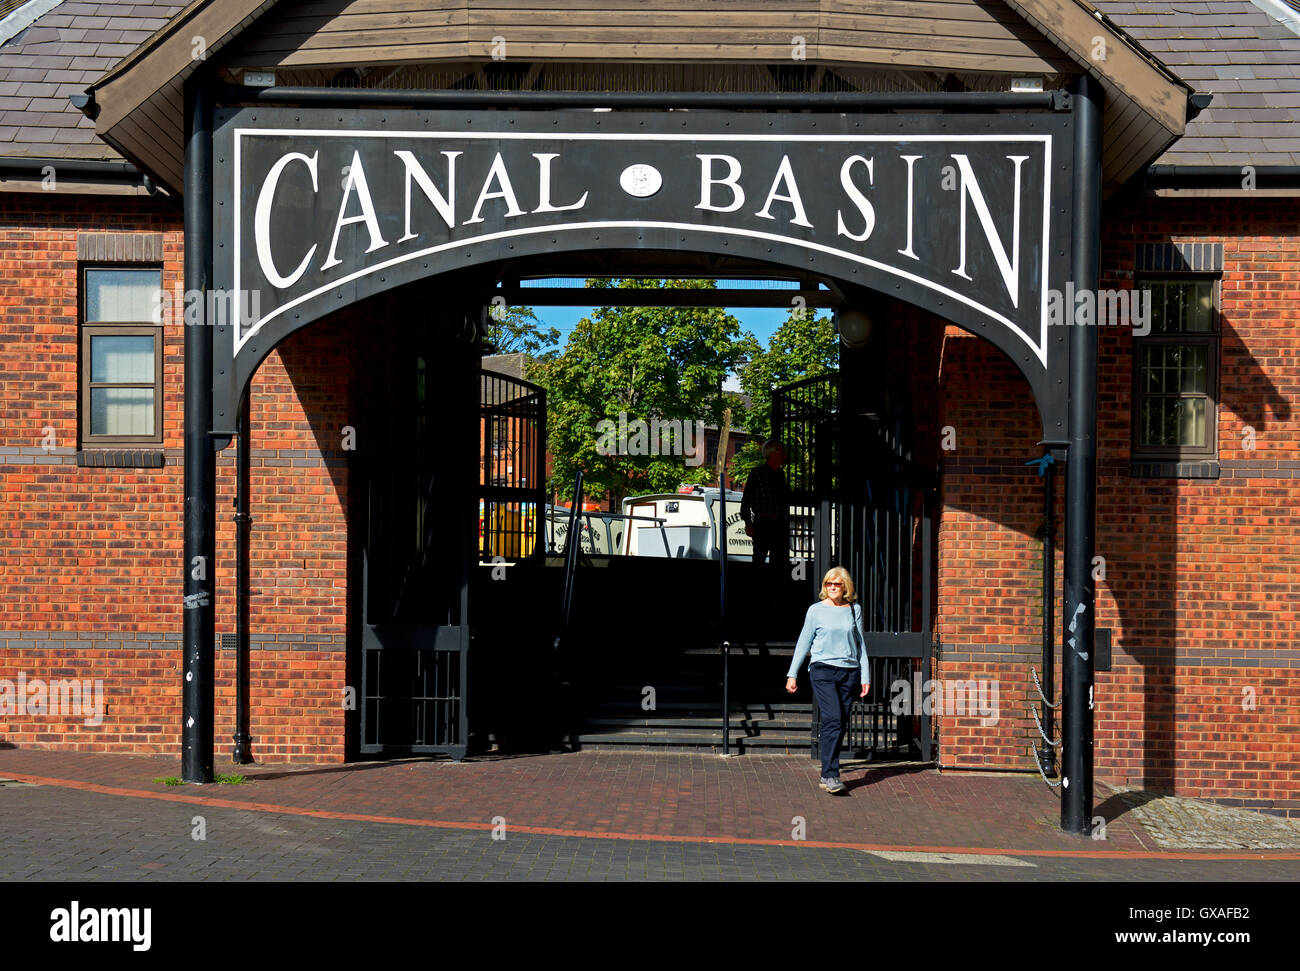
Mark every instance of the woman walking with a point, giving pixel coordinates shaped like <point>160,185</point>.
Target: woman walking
<point>833,632</point>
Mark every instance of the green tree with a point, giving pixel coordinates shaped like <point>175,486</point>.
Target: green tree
<point>637,364</point>
<point>516,329</point>
<point>804,346</point>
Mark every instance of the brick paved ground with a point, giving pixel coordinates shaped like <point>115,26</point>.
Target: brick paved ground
<point>54,834</point>
<point>596,815</point>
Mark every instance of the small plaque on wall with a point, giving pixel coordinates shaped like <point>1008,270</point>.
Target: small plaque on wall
<point>1101,648</point>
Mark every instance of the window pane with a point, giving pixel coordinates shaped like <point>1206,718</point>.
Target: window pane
<point>1191,424</point>
<point>1193,368</point>
<point>1200,307</point>
<point>1156,425</point>
<point>125,358</point>
<point>123,295</point>
<point>1159,316</point>
<point>121,411</point>
<point>1175,305</point>
<point>1151,375</point>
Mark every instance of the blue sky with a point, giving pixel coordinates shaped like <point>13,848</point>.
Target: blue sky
<point>762,321</point>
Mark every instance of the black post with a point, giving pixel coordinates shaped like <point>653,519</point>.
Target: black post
<point>1080,473</point>
<point>199,545</point>
<point>243,527</point>
<point>1046,753</point>
<point>722,611</point>
<point>566,605</point>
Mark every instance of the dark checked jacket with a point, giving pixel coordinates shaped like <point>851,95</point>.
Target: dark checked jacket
<point>766,494</point>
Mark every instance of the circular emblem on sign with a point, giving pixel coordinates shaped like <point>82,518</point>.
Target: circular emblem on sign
<point>641,180</point>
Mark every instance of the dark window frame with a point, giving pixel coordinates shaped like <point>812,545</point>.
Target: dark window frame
<point>90,329</point>
<point>1211,340</point>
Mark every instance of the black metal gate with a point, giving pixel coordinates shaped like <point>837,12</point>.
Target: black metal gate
<point>418,516</point>
<point>512,467</point>
<point>860,502</point>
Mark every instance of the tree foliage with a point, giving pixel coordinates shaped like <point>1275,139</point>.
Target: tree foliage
<point>514,330</point>
<point>637,363</point>
<point>804,346</point>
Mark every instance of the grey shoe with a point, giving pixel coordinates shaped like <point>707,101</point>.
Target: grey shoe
<point>833,785</point>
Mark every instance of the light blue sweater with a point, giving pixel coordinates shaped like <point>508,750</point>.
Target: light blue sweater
<point>827,633</point>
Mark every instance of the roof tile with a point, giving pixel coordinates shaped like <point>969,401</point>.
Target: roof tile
<point>1229,48</point>
<point>61,54</point>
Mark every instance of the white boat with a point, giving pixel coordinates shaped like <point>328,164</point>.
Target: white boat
<point>684,525</point>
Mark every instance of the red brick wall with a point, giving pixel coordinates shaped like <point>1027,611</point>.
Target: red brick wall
<point>90,558</point>
<point>1199,589</point>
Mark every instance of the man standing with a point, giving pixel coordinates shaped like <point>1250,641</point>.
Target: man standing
<point>765,507</point>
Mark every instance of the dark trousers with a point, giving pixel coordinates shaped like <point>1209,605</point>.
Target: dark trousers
<point>772,537</point>
<point>834,688</point>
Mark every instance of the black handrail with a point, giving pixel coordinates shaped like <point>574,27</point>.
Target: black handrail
<point>571,547</point>
<point>722,612</point>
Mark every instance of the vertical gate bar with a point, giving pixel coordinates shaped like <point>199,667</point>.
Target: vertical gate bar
<point>1046,755</point>
<point>870,550</point>
<point>900,540</point>
<point>927,510</point>
<point>539,470</point>
<point>722,610</point>
<point>467,541</point>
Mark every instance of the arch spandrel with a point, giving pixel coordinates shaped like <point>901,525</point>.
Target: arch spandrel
<point>963,215</point>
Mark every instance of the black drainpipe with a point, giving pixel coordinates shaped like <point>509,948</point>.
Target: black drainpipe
<point>84,170</point>
<point>1081,475</point>
<point>1222,176</point>
<point>199,513</point>
<point>243,527</point>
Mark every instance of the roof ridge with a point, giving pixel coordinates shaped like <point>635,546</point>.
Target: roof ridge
<point>23,16</point>
<point>1285,12</point>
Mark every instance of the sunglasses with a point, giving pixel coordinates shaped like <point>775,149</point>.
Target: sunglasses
<point>832,583</point>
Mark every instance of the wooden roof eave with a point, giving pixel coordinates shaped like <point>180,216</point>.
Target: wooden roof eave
<point>153,76</point>
<point>141,105</point>
<point>1146,103</point>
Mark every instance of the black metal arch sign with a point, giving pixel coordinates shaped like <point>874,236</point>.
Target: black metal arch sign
<point>966,215</point>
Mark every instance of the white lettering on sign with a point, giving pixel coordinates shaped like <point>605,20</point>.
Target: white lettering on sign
<point>970,188</point>
<point>356,181</point>
<point>857,198</point>
<point>446,205</point>
<point>707,182</point>
<point>911,210</point>
<point>497,173</point>
<point>544,190</point>
<point>785,177</point>
<point>262,220</point>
